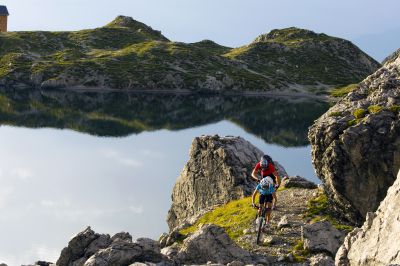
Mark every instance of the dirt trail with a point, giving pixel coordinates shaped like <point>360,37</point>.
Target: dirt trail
<point>292,203</point>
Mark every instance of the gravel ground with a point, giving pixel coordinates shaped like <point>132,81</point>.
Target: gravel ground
<point>280,242</point>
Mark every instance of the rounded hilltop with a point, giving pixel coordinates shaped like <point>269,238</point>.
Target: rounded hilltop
<point>128,22</point>
<point>290,34</point>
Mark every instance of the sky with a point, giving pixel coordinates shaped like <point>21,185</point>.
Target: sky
<point>372,25</point>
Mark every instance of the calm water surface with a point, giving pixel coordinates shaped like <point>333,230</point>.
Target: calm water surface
<point>54,181</point>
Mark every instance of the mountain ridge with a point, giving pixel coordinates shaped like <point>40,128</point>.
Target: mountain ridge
<point>127,54</point>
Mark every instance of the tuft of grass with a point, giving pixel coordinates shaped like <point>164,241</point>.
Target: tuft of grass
<point>317,205</point>
<point>343,91</point>
<point>335,114</point>
<point>318,210</point>
<point>359,113</point>
<point>374,109</point>
<point>234,217</point>
<point>395,108</point>
<point>300,254</point>
<point>353,122</point>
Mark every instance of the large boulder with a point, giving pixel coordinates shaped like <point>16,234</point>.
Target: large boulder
<point>88,248</point>
<point>298,181</point>
<point>82,246</point>
<point>321,260</point>
<point>356,144</point>
<point>218,170</point>
<point>377,241</point>
<point>322,237</point>
<point>211,244</point>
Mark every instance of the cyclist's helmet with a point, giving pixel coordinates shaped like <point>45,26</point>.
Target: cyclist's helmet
<point>266,182</point>
<point>264,161</point>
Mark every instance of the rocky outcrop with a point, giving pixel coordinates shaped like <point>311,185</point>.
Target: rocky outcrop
<point>322,237</point>
<point>218,170</point>
<point>391,57</point>
<point>298,181</point>
<point>91,249</point>
<point>356,144</point>
<point>321,260</point>
<point>211,243</point>
<point>377,241</point>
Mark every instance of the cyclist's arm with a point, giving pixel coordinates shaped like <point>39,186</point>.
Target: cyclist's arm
<point>254,174</point>
<point>278,178</point>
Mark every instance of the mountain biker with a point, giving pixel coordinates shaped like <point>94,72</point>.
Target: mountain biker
<point>265,188</point>
<point>267,168</point>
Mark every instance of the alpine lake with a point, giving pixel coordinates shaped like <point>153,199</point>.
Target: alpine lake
<point>110,160</point>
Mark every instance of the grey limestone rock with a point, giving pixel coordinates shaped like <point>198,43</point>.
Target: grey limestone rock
<point>322,237</point>
<point>356,144</point>
<point>91,249</point>
<point>218,170</point>
<point>77,247</point>
<point>283,222</point>
<point>298,181</point>
<point>377,241</point>
<point>211,244</point>
<point>322,260</point>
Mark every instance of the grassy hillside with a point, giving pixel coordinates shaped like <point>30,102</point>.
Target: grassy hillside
<point>127,54</point>
<point>303,57</point>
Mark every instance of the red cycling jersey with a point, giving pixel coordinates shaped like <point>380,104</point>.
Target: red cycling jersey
<point>266,171</point>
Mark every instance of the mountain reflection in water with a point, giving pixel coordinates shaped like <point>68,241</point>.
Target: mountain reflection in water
<point>280,121</point>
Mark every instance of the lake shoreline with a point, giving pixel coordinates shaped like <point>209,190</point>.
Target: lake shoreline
<point>245,93</point>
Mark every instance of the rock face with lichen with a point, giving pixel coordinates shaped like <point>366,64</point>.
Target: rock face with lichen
<point>356,144</point>
<point>377,241</point>
<point>218,170</point>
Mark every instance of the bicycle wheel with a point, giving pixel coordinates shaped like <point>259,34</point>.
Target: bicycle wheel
<point>259,231</point>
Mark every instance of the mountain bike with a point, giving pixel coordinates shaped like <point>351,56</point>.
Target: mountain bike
<point>261,221</point>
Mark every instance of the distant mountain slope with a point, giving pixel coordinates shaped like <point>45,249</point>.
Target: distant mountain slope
<point>127,54</point>
<point>304,57</point>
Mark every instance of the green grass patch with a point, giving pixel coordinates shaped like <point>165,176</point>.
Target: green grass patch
<point>374,109</point>
<point>335,114</point>
<point>300,254</point>
<point>359,113</point>
<point>395,108</point>
<point>343,91</point>
<point>318,210</point>
<point>234,217</point>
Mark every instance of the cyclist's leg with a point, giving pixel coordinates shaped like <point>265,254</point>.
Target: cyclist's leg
<point>269,200</point>
<point>261,201</point>
<point>274,199</point>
